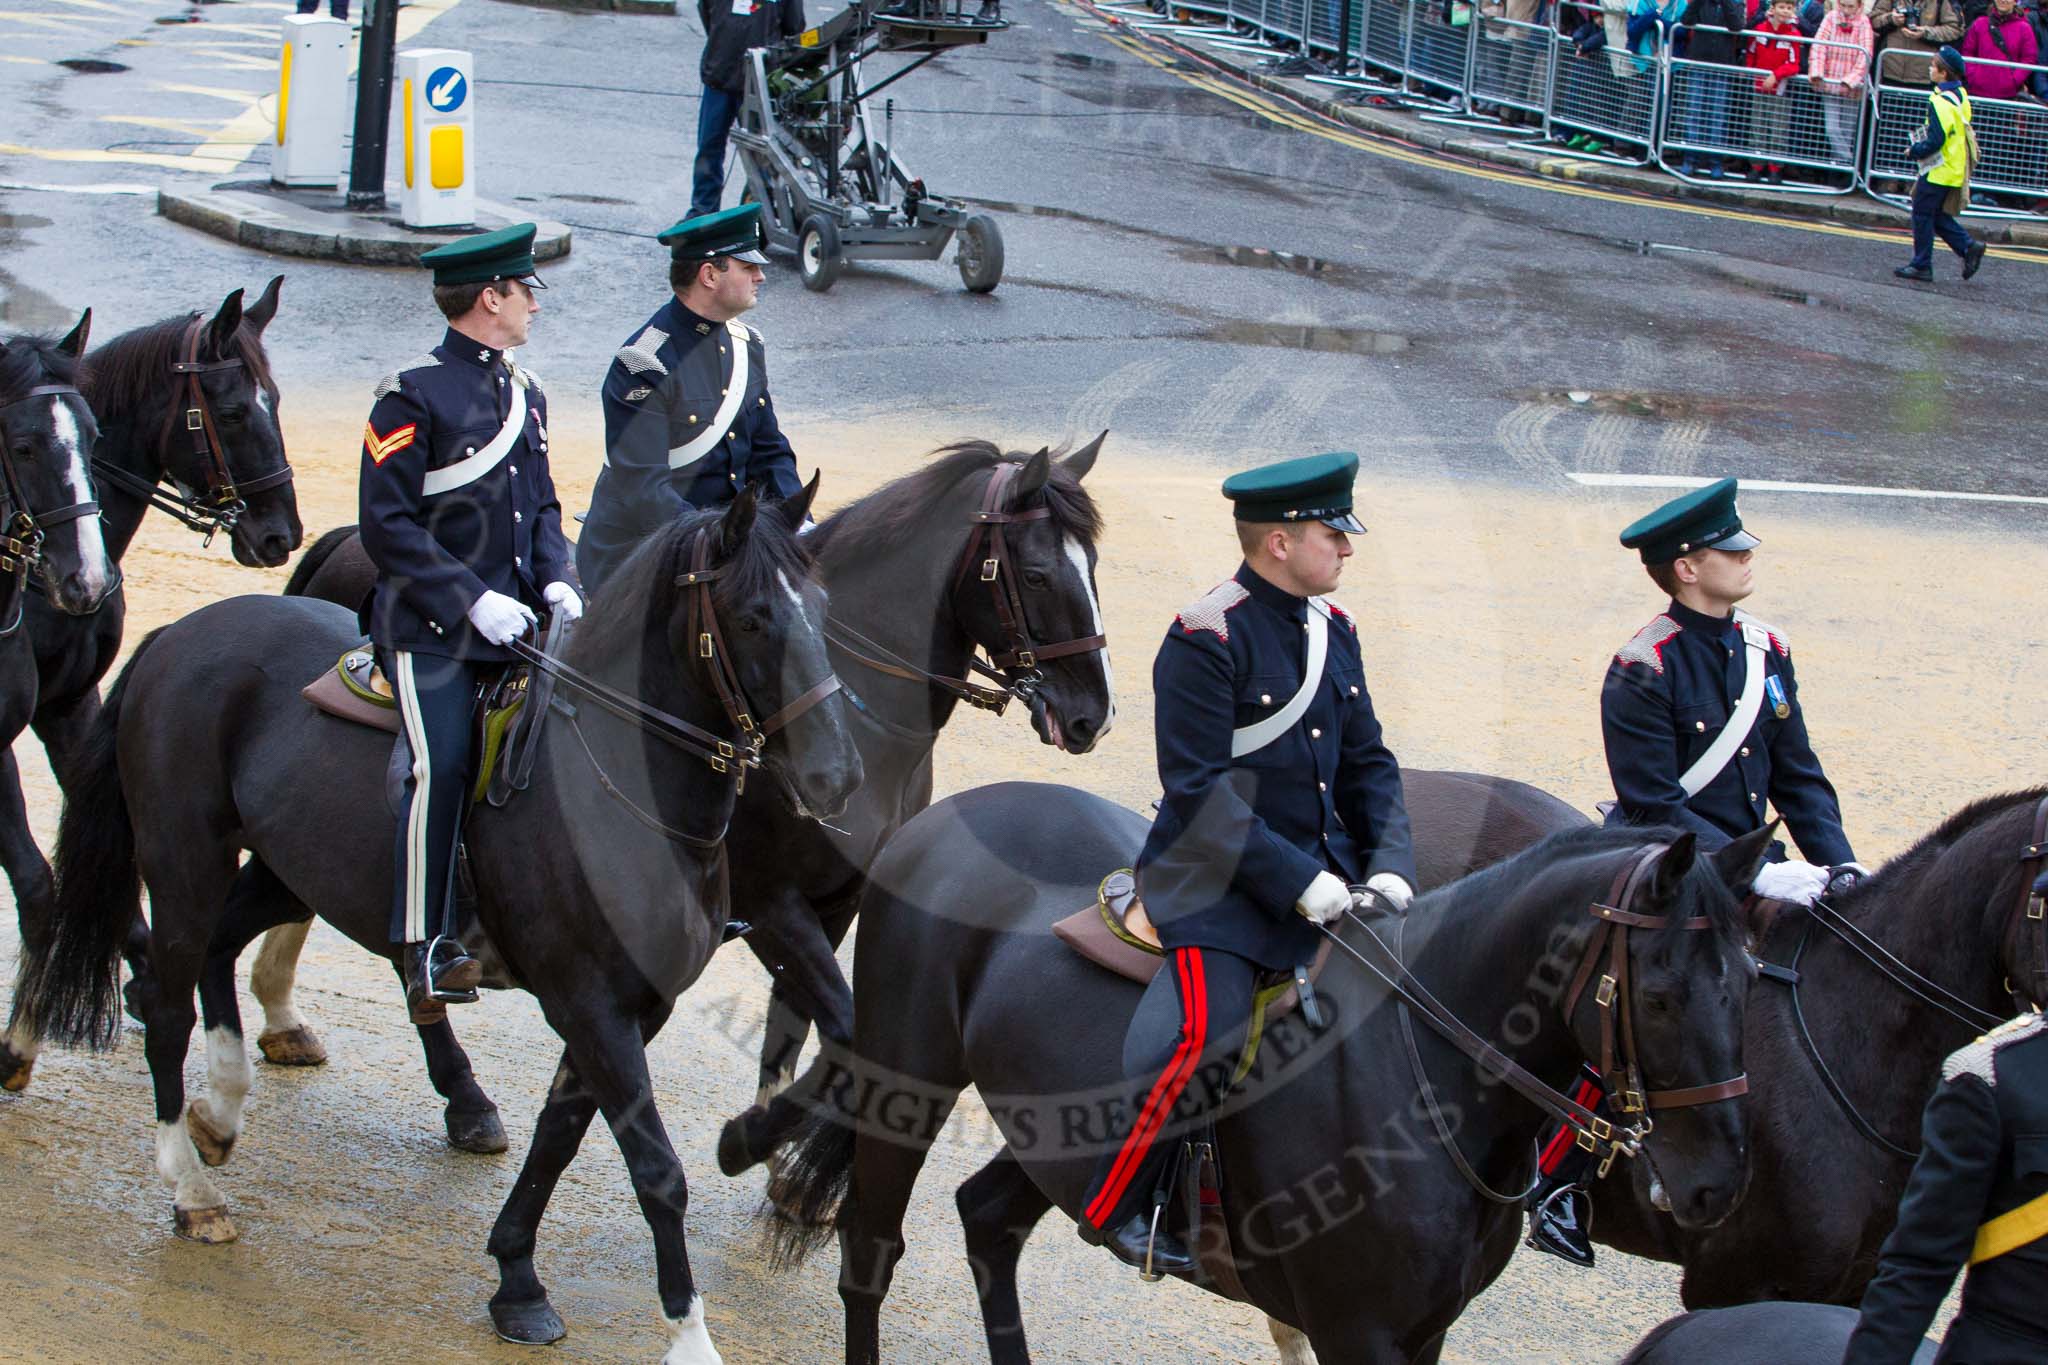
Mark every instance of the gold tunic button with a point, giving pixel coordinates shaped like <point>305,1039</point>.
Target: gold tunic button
<point>1752,796</point>
<point>1322,786</point>
<point>1700,726</point>
<point>1745,751</point>
<point>691,419</point>
<point>470,451</point>
<point>513,468</point>
<point>1265,698</point>
<point>761,402</point>
<point>1354,691</point>
<point>1315,734</point>
<point>517,517</point>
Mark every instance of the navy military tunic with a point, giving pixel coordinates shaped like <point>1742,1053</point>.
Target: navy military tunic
<point>437,552</point>
<point>1239,839</point>
<point>673,441</point>
<point>1669,693</point>
<point>1984,1152</point>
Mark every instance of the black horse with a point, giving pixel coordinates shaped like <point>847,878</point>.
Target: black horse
<point>1756,1334</point>
<point>1930,953</point>
<point>1349,1219</point>
<point>188,402</point>
<point>601,890</point>
<point>50,544</point>
<point>905,622</point>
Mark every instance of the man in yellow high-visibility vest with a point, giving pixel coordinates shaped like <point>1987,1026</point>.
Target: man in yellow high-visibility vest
<point>1943,152</point>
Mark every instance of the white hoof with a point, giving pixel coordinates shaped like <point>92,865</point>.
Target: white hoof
<point>689,1339</point>
<point>1294,1347</point>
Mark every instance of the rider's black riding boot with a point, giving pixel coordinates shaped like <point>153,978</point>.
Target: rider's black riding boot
<point>1130,1243</point>
<point>437,974</point>
<point>1561,1220</point>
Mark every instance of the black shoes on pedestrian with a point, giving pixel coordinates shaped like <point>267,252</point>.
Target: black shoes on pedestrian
<point>438,974</point>
<point>1916,272</point>
<point>1561,1223</point>
<point>1151,1255</point>
<point>1972,259</point>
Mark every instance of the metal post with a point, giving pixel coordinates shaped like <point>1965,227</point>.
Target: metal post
<point>373,106</point>
<point>1344,38</point>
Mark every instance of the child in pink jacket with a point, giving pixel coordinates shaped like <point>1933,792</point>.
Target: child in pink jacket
<point>1839,67</point>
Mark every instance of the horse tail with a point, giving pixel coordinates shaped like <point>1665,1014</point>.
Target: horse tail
<point>316,555</point>
<point>70,988</point>
<point>808,1193</point>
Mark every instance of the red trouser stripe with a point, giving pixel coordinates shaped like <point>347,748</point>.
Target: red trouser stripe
<point>1586,1093</point>
<point>1194,1029</point>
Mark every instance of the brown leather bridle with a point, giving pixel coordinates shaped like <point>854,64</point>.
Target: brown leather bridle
<point>21,543</point>
<point>221,507</point>
<point>2031,917</point>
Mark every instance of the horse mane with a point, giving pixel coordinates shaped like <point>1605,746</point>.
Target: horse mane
<point>1493,885</point>
<point>30,360</point>
<point>1946,835</point>
<point>123,376</point>
<point>880,522</point>
<point>637,596</point>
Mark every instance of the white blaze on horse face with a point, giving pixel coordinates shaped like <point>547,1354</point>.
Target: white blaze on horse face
<point>1078,557</point>
<point>93,571</point>
<point>690,1340</point>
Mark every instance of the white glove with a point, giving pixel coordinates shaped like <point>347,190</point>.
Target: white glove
<point>1799,883</point>
<point>1394,887</point>
<point>564,600</point>
<point>1326,899</point>
<point>500,619</point>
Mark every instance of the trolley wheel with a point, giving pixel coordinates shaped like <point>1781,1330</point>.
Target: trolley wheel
<point>817,253</point>
<point>980,254</point>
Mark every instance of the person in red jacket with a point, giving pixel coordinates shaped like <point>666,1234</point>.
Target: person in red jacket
<point>1774,50</point>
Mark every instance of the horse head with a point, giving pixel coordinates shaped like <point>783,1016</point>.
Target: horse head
<point>243,399</point>
<point>1053,653</point>
<point>1677,1016</point>
<point>47,433</point>
<point>770,621</point>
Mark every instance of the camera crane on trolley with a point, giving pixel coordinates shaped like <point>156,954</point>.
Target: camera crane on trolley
<point>821,162</point>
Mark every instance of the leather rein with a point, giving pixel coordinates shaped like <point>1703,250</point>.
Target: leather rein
<point>1619,1067</point>
<point>2027,917</point>
<point>1014,670</point>
<point>21,541</point>
<point>221,507</point>
<point>728,757</point>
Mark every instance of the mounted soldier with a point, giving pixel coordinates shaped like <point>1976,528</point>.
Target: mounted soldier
<point>1279,794</point>
<point>688,421</point>
<point>459,516</point>
<point>1701,716</point>
<point>1978,1198</point>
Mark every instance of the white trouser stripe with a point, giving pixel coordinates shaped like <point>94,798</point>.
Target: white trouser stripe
<point>416,818</point>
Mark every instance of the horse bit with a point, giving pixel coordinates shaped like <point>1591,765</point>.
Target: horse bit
<point>725,756</point>
<point>1014,670</point>
<point>224,502</point>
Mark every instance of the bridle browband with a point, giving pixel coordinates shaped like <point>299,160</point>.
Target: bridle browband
<point>221,507</point>
<point>728,757</point>
<point>1013,670</point>
<point>1619,1067</point>
<point>21,542</point>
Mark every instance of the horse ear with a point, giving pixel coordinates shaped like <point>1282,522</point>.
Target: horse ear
<point>738,521</point>
<point>226,323</point>
<point>73,344</point>
<point>1739,860</point>
<point>1035,472</point>
<point>1672,865</point>
<point>265,308</point>
<point>798,505</point>
<point>1081,461</point>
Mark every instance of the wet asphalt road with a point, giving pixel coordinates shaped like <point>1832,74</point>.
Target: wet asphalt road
<point>1438,321</point>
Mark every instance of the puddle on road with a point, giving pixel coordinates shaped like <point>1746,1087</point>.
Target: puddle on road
<point>1262,258</point>
<point>18,222</point>
<point>91,66</point>
<point>1306,337</point>
<point>1631,402</point>
<point>1081,60</point>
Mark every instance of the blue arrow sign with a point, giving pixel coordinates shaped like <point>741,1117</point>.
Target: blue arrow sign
<point>446,90</point>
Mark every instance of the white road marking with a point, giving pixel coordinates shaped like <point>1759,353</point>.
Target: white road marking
<point>103,187</point>
<point>1857,490</point>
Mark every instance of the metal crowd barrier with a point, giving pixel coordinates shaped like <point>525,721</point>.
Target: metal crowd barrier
<point>1612,95</point>
<point>2012,140</point>
<point>1716,114</point>
<point>1654,109</point>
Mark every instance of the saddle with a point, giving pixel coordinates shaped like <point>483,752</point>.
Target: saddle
<point>1117,935</point>
<point>356,690</point>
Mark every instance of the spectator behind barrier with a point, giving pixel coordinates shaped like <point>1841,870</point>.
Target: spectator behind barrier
<point>2038,82</point>
<point>2003,35</point>
<point>1716,38</point>
<point>1839,73</point>
<point>1910,32</point>
<point>1778,62</point>
<point>1520,65</point>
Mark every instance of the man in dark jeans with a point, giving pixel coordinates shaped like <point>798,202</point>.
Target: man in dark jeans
<point>1716,27</point>
<point>731,27</point>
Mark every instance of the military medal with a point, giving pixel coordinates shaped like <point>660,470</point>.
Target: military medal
<point>1774,688</point>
